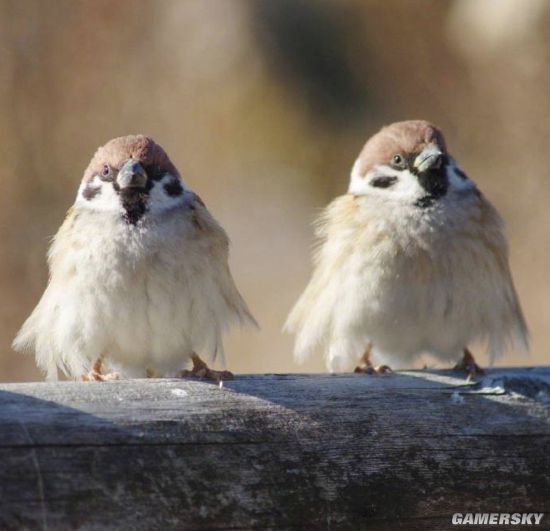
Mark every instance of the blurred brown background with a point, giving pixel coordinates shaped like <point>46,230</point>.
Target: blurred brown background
<point>263,105</point>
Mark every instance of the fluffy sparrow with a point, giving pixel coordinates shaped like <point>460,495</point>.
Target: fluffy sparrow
<point>139,278</point>
<point>412,259</point>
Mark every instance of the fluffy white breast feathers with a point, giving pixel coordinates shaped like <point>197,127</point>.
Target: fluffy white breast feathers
<point>139,275</point>
<point>413,259</point>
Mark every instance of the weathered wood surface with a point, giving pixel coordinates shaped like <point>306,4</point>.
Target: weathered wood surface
<point>403,451</point>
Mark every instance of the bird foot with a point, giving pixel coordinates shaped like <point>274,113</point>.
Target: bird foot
<point>96,374</point>
<point>370,369</point>
<point>203,371</point>
<point>207,374</point>
<point>468,364</point>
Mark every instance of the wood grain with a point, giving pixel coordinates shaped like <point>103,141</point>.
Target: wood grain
<point>403,451</point>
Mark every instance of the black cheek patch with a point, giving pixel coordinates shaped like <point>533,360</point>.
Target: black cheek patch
<point>173,188</point>
<point>90,192</point>
<point>383,182</point>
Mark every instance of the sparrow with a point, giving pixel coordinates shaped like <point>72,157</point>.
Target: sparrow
<point>139,279</point>
<point>413,259</point>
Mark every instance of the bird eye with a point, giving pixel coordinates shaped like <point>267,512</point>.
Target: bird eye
<point>106,173</point>
<point>398,160</point>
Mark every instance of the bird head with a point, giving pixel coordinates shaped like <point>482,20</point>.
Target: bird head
<point>407,162</point>
<point>131,175</point>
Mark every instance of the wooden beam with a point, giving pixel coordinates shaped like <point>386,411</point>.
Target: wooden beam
<point>406,450</point>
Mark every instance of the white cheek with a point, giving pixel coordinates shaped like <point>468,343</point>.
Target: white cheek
<point>105,200</point>
<point>358,185</point>
<point>406,188</point>
<point>160,200</point>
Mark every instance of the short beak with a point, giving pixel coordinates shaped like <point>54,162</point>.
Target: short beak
<point>430,158</point>
<point>132,175</point>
